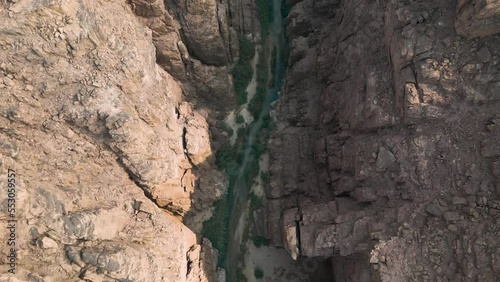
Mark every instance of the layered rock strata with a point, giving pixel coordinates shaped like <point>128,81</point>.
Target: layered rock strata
<point>386,157</point>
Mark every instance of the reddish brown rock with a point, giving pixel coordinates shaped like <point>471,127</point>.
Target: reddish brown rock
<point>406,145</point>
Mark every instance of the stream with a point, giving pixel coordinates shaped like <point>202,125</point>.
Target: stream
<point>241,188</point>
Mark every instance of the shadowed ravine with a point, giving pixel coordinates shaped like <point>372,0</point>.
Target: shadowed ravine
<point>239,212</point>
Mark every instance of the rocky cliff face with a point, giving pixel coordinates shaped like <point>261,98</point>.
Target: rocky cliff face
<point>197,42</point>
<point>244,16</point>
<point>100,137</point>
<point>386,158</point>
<point>385,166</point>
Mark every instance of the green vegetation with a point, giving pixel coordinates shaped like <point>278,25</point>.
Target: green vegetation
<point>240,276</point>
<point>285,9</point>
<point>258,273</point>
<point>242,71</point>
<point>247,49</point>
<point>240,133</point>
<point>252,170</point>
<point>224,127</point>
<point>262,71</point>
<point>273,67</point>
<point>255,202</point>
<point>228,157</point>
<point>265,10</point>
<point>242,75</point>
<point>259,241</point>
<point>215,229</point>
<point>264,176</point>
<point>260,146</point>
<point>225,157</point>
<point>240,119</point>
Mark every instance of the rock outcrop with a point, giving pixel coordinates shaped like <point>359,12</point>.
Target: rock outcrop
<point>170,49</point>
<point>107,155</point>
<point>244,16</point>
<point>386,158</point>
<point>195,43</point>
<point>477,18</point>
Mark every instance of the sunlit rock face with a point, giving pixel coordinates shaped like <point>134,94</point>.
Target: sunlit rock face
<point>386,154</point>
<point>477,18</point>
<point>99,137</point>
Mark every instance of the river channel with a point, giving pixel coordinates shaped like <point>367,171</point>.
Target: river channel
<point>241,188</point>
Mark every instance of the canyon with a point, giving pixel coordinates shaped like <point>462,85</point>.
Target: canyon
<point>384,166</point>
<point>374,156</point>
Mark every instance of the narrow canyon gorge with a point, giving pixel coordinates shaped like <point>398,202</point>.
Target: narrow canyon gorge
<point>249,140</point>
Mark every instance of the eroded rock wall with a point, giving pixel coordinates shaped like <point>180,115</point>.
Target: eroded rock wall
<point>197,45</point>
<point>99,137</point>
<point>387,141</point>
<point>197,42</point>
<point>244,17</point>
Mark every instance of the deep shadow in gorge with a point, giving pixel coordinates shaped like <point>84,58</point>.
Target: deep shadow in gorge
<point>382,162</point>
<point>384,143</point>
<point>240,184</point>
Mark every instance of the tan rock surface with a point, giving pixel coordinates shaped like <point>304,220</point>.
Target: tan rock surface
<point>94,128</point>
<point>196,45</point>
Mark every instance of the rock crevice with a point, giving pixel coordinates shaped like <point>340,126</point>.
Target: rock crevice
<point>99,137</point>
<point>384,110</point>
